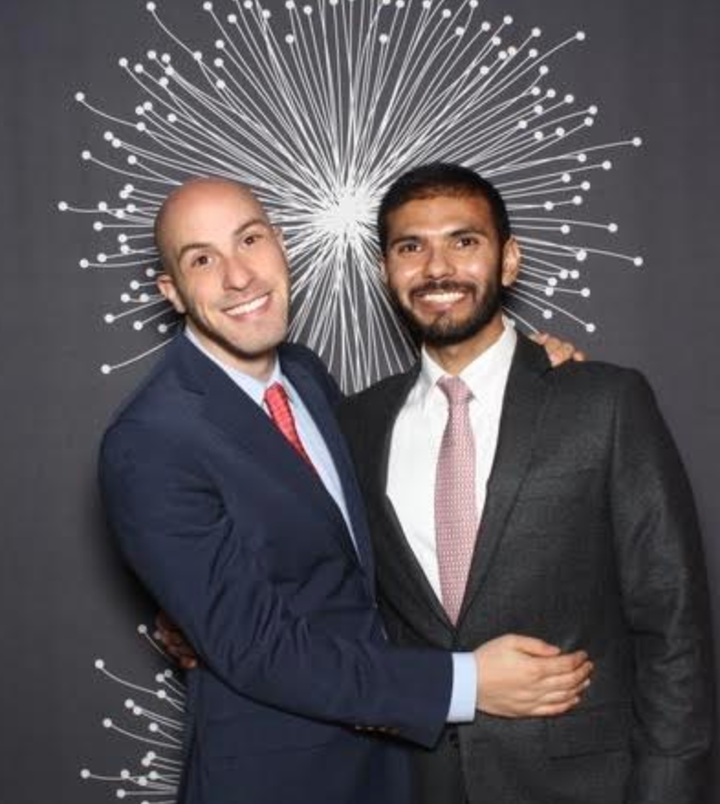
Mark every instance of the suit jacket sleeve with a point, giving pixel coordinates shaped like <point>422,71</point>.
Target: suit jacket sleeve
<point>665,600</point>
<point>174,531</point>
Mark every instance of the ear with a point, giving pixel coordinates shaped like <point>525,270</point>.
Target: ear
<point>510,262</point>
<point>168,288</point>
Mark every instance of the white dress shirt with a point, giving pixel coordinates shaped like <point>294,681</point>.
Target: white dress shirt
<point>417,435</point>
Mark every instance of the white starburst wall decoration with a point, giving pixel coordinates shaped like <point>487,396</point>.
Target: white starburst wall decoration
<point>318,106</point>
<point>151,723</point>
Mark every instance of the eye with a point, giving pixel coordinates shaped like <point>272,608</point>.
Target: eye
<point>410,247</point>
<point>253,238</point>
<point>200,261</point>
<point>467,241</point>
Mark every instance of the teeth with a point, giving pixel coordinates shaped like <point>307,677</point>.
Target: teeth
<point>248,307</point>
<point>443,298</point>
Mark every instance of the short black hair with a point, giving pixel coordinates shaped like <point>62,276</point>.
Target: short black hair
<point>441,178</point>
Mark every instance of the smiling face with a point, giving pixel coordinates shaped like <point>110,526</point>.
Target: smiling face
<point>445,267</point>
<point>226,271</point>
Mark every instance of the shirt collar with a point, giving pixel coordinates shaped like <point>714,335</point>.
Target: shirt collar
<point>481,374</point>
<point>253,387</point>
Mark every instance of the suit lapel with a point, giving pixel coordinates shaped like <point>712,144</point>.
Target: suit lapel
<point>231,410</point>
<point>524,401</point>
<point>317,403</point>
<point>401,552</point>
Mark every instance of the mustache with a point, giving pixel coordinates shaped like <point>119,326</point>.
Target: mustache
<point>443,286</point>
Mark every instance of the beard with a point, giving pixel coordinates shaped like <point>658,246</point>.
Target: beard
<point>444,330</point>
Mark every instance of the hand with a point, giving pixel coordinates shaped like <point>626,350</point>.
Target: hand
<point>175,643</point>
<point>558,351</point>
<point>520,676</point>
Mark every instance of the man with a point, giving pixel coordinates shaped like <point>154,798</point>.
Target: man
<point>503,496</point>
<point>232,496</point>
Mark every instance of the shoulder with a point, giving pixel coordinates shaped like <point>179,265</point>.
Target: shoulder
<point>155,412</point>
<point>586,386</point>
<point>382,393</point>
<point>366,416</point>
<point>591,374</point>
<point>142,400</point>
<point>302,355</point>
<point>297,356</point>
<point>598,394</point>
<point>596,377</point>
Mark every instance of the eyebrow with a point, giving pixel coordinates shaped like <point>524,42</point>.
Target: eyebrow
<point>465,230</point>
<point>240,229</point>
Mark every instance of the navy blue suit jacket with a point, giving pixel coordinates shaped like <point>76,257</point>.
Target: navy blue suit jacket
<point>238,540</point>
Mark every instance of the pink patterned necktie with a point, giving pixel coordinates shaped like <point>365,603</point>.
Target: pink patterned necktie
<point>456,516</point>
<point>278,404</point>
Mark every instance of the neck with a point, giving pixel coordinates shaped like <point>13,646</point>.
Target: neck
<point>456,357</point>
<point>259,366</point>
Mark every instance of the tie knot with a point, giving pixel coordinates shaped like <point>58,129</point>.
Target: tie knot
<point>455,390</point>
<point>276,394</point>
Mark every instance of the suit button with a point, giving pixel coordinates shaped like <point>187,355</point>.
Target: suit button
<point>453,739</point>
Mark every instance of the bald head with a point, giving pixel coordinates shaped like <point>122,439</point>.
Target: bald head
<point>191,202</point>
<point>225,270</point>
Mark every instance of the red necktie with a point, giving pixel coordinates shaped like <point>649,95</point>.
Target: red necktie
<point>278,404</point>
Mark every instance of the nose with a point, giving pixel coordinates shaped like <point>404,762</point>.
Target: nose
<point>437,264</point>
<point>237,274</point>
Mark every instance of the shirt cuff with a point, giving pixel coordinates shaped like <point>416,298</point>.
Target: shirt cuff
<point>463,698</point>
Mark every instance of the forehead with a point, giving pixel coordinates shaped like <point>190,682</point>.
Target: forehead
<point>205,213</point>
<point>440,214</point>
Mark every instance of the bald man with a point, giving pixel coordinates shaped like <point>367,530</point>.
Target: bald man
<point>232,496</point>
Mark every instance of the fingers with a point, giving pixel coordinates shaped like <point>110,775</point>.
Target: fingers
<point>546,658</point>
<point>547,686</point>
<point>539,337</point>
<point>522,676</point>
<point>165,628</point>
<point>174,642</point>
<point>559,701</point>
<point>531,645</point>
<point>562,694</point>
<point>164,623</point>
<point>560,665</point>
<point>568,696</point>
<point>558,351</point>
<point>182,652</point>
<point>573,680</point>
<point>553,710</point>
<point>558,678</point>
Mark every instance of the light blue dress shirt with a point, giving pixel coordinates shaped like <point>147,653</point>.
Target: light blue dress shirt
<point>464,687</point>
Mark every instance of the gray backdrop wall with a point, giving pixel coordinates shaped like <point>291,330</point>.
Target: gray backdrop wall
<point>652,66</point>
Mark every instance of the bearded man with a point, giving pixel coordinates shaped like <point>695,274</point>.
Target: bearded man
<point>507,497</point>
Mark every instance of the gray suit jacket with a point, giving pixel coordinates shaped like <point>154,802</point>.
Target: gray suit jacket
<point>589,539</point>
